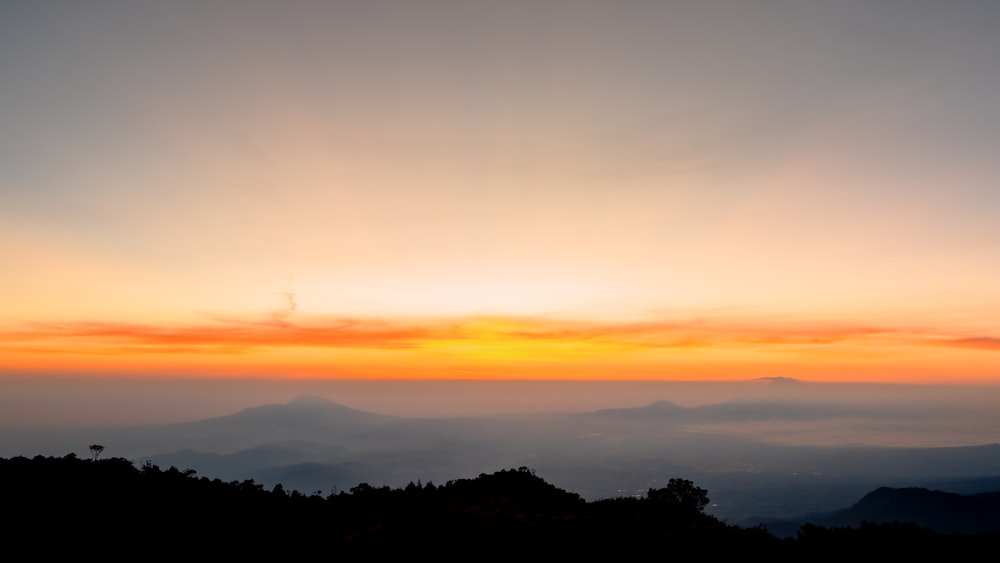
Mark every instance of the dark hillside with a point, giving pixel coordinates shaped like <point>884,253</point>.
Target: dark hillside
<point>938,510</point>
<point>69,507</point>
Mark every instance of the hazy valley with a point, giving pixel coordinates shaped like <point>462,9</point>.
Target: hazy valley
<point>751,452</point>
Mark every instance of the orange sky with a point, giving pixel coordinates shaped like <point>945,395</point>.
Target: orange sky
<point>507,347</point>
<point>575,190</point>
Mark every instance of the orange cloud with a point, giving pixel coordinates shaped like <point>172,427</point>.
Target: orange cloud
<point>216,338</point>
<point>498,346</point>
<point>242,337</point>
<point>976,342</point>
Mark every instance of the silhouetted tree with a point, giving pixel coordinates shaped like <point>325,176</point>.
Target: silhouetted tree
<point>95,450</point>
<point>680,492</point>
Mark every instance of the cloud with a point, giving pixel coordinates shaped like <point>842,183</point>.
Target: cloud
<point>287,311</point>
<point>977,342</point>
<point>216,338</point>
<point>527,334</point>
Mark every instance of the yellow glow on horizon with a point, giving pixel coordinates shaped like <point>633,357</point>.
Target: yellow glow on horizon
<point>505,348</point>
<point>511,340</point>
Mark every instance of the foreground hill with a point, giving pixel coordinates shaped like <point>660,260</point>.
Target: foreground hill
<point>69,506</point>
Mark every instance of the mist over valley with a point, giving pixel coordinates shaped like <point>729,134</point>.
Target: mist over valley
<point>765,450</point>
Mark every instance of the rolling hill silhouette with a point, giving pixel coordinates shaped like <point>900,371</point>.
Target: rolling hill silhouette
<point>60,506</point>
<point>938,510</point>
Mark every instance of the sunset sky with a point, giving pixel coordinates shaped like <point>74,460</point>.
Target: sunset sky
<point>710,190</point>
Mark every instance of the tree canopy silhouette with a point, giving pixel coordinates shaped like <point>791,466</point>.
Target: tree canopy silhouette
<point>681,493</point>
<point>510,513</point>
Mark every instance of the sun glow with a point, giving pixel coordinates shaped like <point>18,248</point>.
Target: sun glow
<point>506,339</point>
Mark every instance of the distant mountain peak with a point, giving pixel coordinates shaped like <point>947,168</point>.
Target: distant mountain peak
<point>779,380</point>
<point>311,401</point>
<point>655,409</point>
<point>663,404</point>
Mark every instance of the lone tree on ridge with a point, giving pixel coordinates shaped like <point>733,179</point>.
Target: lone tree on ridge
<point>680,492</point>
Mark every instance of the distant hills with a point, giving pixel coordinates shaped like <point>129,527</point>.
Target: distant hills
<point>943,512</point>
<point>735,411</point>
<point>938,510</point>
<point>312,444</point>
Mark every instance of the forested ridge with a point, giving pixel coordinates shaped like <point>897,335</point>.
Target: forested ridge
<point>112,507</point>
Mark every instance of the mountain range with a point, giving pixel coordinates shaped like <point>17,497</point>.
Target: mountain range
<point>312,444</point>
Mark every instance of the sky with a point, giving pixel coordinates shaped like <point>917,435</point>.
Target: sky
<point>651,190</point>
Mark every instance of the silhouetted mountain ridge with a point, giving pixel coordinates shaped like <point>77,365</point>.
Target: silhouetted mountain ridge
<point>506,513</point>
<point>304,412</point>
<point>738,410</point>
<point>939,510</point>
<point>306,418</point>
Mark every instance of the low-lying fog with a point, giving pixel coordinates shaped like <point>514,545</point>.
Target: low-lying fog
<point>765,448</point>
